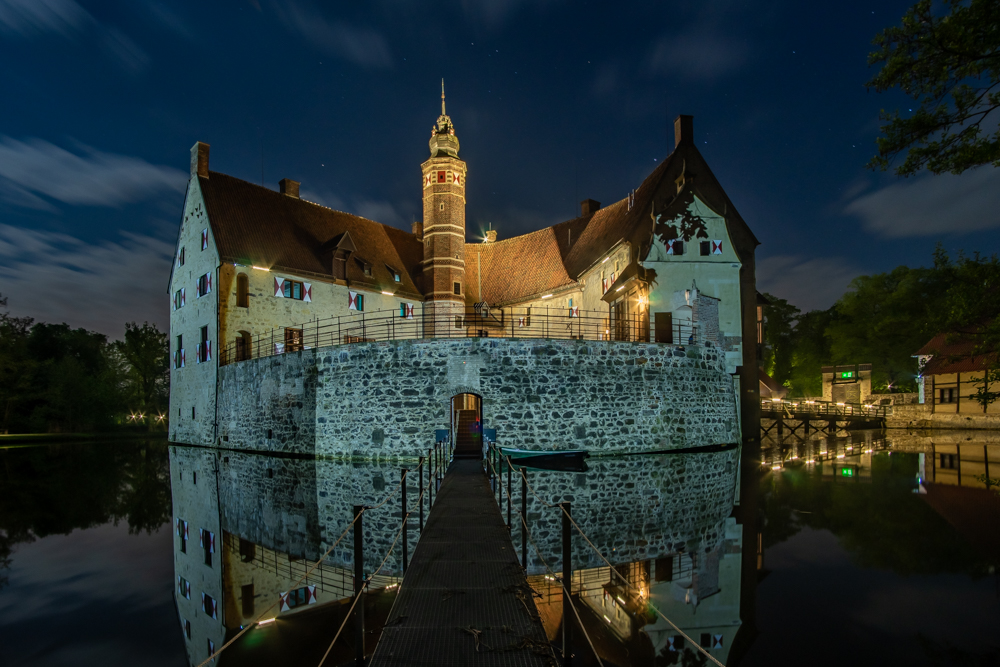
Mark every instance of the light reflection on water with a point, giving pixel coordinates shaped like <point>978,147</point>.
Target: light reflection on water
<point>904,545</point>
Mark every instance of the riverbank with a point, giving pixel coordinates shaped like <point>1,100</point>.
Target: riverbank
<point>45,438</point>
<point>919,416</point>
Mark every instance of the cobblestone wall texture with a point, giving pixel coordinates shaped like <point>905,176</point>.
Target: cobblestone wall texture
<point>632,508</point>
<point>383,400</point>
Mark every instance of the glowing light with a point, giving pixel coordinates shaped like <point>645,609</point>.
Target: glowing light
<point>810,402</point>
<point>776,400</point>
<point>262,268</point>
<point>605,259</point>
<point>841,404</point>
<point>620,288</point>
<point>795,458</point>
<point>605,617</point>
<point>622,602</point>
<point>811,461</point>
<point>840,456</point>
<point>265,622</point>
<point>777,467</point>
<point>386,293</point>
<point>547,296</point>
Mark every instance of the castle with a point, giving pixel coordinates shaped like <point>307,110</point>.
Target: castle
<point>645,312</point>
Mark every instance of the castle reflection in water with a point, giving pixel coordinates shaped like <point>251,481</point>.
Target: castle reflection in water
<point>248,527</point>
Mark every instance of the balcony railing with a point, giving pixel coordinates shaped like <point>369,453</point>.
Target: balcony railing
<point>386,325</point>
<point>823,408</point>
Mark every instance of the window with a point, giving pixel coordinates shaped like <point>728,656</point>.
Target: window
<point>179,354</point>
<point>442,206</point>
<point>248,601</point>
<point>293,289</point>
<point>243,346</point>
<point>180,258</point>
<point>179,299</point>
<point>949,461</point>
<point>458,288</point>
<point>248,550</point>
<point>665,569</point>
<point>192,417</point>
<point>187,628</point>
<point>204,284</point>
<point>947,395</point>
<point>208,544</point>
<point>706,248</point>
<point>395,276</point>
<point>182,533</point>
<point>293,340</point>
<point>242,291</point>
<point>211,647</point>
<point>706,640</point>
<point>204,348</point>
<point>194,475</point>
<point>678,247</point>
<point>458,321</point>
<point>298,597</point>
<point>183,588</point>
<point>441,177</point>
<point>569,302</point>
<point>359,300</point>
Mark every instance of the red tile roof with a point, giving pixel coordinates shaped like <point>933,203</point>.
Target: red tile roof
<point>953,356</point>
<point>252,224</point>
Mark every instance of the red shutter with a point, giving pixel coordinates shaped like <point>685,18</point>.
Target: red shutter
<point>284,602</point>
<point>717,247</point>
<point>211,543</point>
<point>197,353</point>
<point>208,281</point>
<point>204,239</point>
<point>201,541</point>
<point>279,288</point>
<point>307,292</point>
<point>208,351</point>
<point>183,298</point>
<point>183,358</point>
<point>352,300</point>
<point>186,534</point>
<point>311,594</point>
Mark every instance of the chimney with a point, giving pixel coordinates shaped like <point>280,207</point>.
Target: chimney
<point>589,207</point>
<point>289,187</point>
<point>418,230</point>
<point>199,159</point>
<point>683,130</point>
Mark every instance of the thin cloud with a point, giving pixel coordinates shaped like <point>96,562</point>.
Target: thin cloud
<point>31,18</point>
<point>34,171</point>
<point>28,19</point>
<point>808,283</point>
<point>355,44</point>
<point>56,278</point>
<point>932,205</point>
<point>701,54</point>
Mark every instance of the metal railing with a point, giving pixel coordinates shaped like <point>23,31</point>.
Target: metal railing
<point>388,325</point>
<point>823,408</point>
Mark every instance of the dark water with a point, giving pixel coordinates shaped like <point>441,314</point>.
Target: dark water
<point>887,555</point>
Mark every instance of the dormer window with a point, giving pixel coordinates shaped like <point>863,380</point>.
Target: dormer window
<point>367,268</point>
<point>396,275</point>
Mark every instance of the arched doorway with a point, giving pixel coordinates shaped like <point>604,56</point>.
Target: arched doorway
<point>467,425</point>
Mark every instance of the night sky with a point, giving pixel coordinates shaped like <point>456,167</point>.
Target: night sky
<point>553,102</point>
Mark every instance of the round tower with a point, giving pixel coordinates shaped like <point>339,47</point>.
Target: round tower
<point>444,226</point>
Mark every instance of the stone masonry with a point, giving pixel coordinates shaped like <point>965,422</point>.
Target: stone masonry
<point>384,400</point>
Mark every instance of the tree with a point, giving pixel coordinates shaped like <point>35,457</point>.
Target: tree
<point>949,64</point>
<point>779,332</point>
<point>971,304</point>
<point>983,395</point>
<point>15,364</point>
<point>883,319</point>
<point>147,351</point>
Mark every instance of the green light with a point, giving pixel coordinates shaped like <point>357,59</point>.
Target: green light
<point>847,374</point>
<point>847,472</point>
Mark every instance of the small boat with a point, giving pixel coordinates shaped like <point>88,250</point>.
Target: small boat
<point>569,460</point>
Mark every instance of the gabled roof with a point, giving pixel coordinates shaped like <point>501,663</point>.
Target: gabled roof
<point>526,266</point>
<point>951,356</point>
<point>252,224</point>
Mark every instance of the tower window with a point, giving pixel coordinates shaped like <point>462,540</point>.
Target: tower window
<point>442,206</point>
<point>458,288</point>
<point>442,177</point>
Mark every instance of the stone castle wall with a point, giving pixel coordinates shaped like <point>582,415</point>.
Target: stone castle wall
<point>384,400</point>
<point>632,508</point>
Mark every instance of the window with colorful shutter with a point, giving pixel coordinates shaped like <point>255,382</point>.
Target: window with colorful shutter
<point>204,284</point>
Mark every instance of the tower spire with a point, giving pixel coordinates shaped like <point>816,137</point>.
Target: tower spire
<point>442,98</point>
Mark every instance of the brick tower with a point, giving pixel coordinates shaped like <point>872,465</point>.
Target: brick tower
<point>444,229</point>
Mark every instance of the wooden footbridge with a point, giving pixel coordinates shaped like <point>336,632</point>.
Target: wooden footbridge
<point>823,416</point>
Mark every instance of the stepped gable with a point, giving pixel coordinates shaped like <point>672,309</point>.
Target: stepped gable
<point>254,225</point>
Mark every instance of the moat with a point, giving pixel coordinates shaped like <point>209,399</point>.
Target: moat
<point>862,549</point>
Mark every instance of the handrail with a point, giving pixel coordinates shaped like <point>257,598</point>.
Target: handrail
<point>386,325</point>
<point>836,409</point>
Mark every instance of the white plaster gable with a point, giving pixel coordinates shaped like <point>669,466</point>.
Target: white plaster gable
<point>714,226</point>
